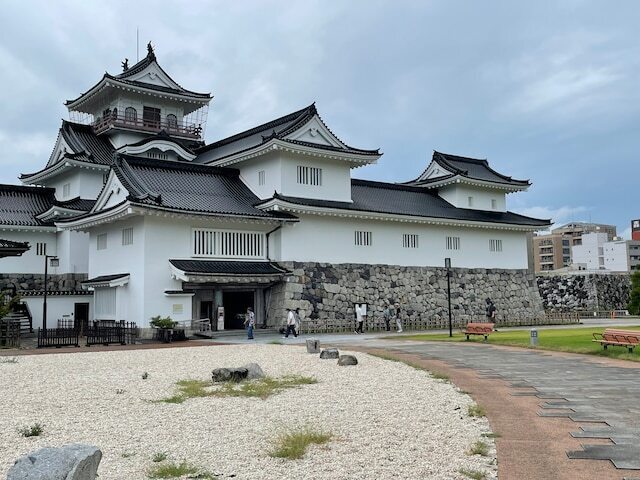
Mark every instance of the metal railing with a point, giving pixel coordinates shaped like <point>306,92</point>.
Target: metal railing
<point>174,127</point>
<point>58,337</point>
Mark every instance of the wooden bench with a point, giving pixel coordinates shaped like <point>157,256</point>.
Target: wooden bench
<point>618,338</point>
<point>484,329</point>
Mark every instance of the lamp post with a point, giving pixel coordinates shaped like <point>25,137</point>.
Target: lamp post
<point>55,261</point>
<point>447,264</point>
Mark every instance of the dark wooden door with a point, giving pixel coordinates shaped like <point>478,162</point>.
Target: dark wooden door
<point>206,311</point>
<point>81,315</point>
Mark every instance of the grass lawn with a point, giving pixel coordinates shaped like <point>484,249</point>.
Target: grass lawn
<point>576,340</point>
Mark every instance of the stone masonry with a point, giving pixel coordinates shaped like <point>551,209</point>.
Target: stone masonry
<point>328,292</point>
<point>28,281</point>
<point>591,292</point>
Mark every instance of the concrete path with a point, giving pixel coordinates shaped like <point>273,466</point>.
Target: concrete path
<point>570,386</point>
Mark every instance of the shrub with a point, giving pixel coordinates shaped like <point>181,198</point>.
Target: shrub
<point>162,322</point>
<point>476,411</point>
<point>174,470</point>
<point>634,296</point>
<point>479,448</point>
<point>293,444</point>
<point>34,430</point>
<point>474,474</point>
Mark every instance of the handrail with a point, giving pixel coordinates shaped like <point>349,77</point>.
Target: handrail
<point>174,126</point>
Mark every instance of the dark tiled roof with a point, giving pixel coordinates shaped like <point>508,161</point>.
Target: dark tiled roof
<point>77,203</point>
<point>213,267</point>
<point>54,293</point>
<point>19,205</point>
<point>10,248</point>
<point>187,187</point>
<point>85,144</point>
<point>396,199</point>
<point>105,278</point>
<point>278,128</point>
<point>473,168</point>
<point>189,145</point>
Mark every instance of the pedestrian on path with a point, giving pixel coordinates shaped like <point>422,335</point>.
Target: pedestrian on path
<point>387,315</point>
<point>491,311</point>
<point>250,322</point>
<point>360,317</point>
<point>298,320</point>
<point>398,319</point>
<point>291,323</point>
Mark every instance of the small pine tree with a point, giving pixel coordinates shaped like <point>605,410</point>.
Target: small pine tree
<point>634,296</point>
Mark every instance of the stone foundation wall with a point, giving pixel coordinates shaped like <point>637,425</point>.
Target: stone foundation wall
<point>326,292</point>
<point>591,292</point>
<point>29,281</point>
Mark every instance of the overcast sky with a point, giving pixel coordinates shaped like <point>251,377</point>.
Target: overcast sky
<point>545,90</point>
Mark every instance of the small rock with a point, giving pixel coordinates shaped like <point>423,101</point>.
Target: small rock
<point>71,462</point>
<point>313,346</point>
<point>229,374</point>
<point>253,371</point>
<point>329,353</point>
<point>345,360</point>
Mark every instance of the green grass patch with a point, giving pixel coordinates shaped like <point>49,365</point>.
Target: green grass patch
<point>479,448</point>
<point>159,457</point>
<point>177,470</point>
<point>8,360</point>
<point>476,411</point>
<point>34,430</point>
<point>293,445</point>
<point>473,474</point>
<point>128,454</point>
<point>440,376</point>
<point>385,356</point>
<point>491,435</point>
<point>260,388</point>
<point>573,340</point>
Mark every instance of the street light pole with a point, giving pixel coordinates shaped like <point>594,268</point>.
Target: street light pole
<point>54,263</point>
<point>447,264</point>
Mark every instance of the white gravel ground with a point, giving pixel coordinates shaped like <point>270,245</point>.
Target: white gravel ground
<point>388,419</point>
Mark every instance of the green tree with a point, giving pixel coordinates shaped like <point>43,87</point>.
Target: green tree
<point>6,303</point>
<point>634,296</point>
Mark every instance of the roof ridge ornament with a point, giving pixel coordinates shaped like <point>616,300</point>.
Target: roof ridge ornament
<point>150,53</point>
<point>125,65</point>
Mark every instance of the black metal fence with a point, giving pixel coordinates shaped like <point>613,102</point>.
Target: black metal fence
<point>58,337</point>
<point>107,332</point>
<point>9,333</point>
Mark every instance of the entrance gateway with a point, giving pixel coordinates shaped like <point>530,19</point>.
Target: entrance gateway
<point>229,287</point>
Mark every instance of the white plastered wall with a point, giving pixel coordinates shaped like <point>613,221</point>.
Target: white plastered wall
<point>458,196</point>
<point>82,183</point>
<point>30,261</point>
<point>332,240</point>
<point>58,306</point>
<point>73,252</point>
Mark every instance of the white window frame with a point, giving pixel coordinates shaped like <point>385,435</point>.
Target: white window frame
<point>100,238</point>
<point>127,236</point>
<point>410,240</point>
<point>222,243</point>
<point>363,238</point>
<point>306,175</point>
<point>453,243</point>
<point>66,190</point>
<point>495,245</point>
<point>261,177</point>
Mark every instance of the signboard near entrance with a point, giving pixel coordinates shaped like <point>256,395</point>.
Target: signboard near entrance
<point>220,318</point>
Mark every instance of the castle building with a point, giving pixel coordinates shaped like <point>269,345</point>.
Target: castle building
<point>152,221</point>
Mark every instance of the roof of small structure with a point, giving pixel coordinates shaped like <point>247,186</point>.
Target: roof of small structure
<point>9,248</point>
<point>274,129</point>
<point>19,205</point>
<point>394,199</point>
<point>471,168</point>
<point>188,188</point>
<point>215,267</point>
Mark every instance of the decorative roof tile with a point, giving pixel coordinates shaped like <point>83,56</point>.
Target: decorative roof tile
<point>19,205</point>
<point>215,267</point>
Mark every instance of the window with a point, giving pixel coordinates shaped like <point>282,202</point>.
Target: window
<point>410,240</point>
<point>66,190</point>
<point>309,175</point>
<point>130,115</point>
<point>495,245</point>
<point>177,309</point>
<point>224,243</point>
<point>172,122</point>
<point>470,201</point>
<point>101,241</point>
<point>127,236</point>
<point>261,177</point>
<point>363,239</point>
<point>151,117</point>
<point>104,300</point>
<point>41,249</point>
<point>494,204</point>
<point>453,243</point>
<point>157,155</point>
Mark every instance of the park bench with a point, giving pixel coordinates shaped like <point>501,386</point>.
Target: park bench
<point>484,329</point>
<point>618,338</point>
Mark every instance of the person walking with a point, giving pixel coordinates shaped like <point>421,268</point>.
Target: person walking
<point>250,322</point>
<point>386,314</point>
<point>291,323</point>
<point>398,319</point>
<point>298,320</point>
<point>491,310</point>
<point>359,319</point>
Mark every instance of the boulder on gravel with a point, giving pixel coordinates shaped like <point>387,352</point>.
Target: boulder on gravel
<point>71,462</point>
<point>345,360</point>
<point>253,371</point>
<point>229,374</point>
<point>313,346</point>
<point>329,353</point>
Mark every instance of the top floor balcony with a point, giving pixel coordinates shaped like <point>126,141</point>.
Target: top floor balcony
<point>150,124</point>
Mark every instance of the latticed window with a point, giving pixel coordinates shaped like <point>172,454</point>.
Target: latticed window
<point>41,248</point>
<point>410,240</point>
<point>130,115</point>
<point>495,245</point>
<point>453,243</point>
<point>228,244</point>
<point>309,175</point>
<point>104,300</point>
<point>101,241</point>
<point>127,236</point>
<point>363,239</point>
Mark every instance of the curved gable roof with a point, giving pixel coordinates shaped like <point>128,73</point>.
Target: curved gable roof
<point>19,205</point>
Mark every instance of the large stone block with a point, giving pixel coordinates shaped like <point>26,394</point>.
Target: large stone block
<point>71,462</point>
